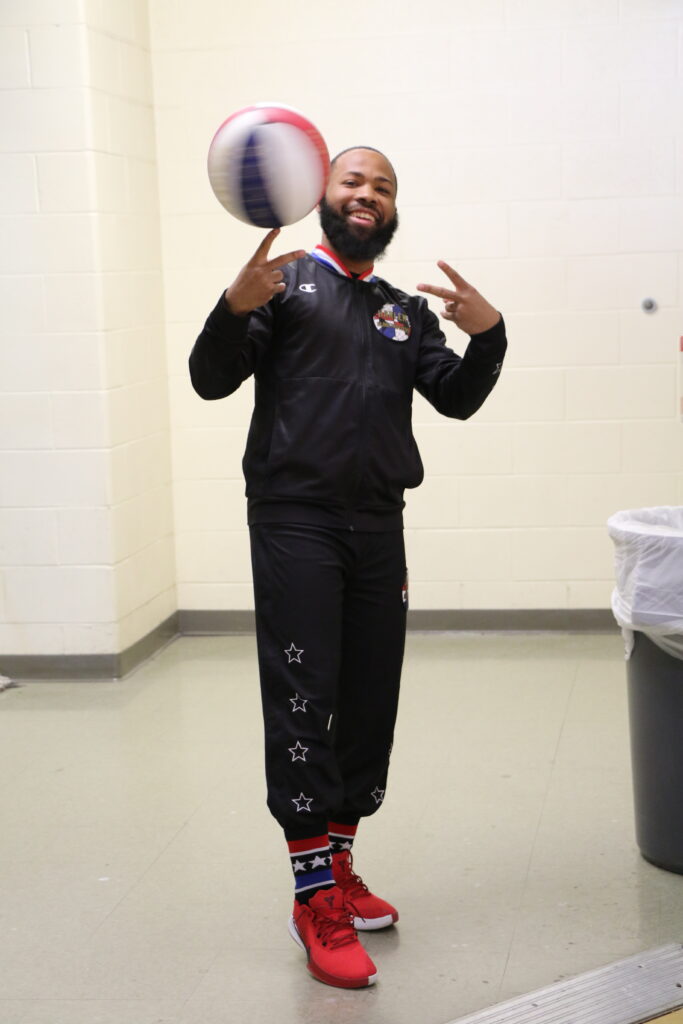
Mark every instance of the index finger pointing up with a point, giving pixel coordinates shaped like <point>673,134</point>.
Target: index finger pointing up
<point>261,254</point>
<point>453,275</point>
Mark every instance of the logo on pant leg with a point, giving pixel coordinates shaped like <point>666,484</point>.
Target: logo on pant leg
<point>377,795</point>
<point>293,654</point>
<point>301,800</point>
<point>298,752</point>
<point>298,703</point>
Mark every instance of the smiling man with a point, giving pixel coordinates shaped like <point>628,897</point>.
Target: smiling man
<point>356,221</point>
<point>336,353</point>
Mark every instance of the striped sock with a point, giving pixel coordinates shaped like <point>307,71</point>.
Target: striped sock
<point>341,836</point>
<point>311,861</point>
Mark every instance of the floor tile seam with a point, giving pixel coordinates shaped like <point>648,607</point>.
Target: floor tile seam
<point>539,819</point>
<point>185,1000</point>
<point>141,877</point>
<point>81,994</point>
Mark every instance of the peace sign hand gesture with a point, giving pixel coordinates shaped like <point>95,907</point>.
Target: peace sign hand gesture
<point>464,305</point>
<point>260,278</point>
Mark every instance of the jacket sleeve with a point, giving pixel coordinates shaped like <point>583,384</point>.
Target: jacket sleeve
<point>228,349</point>
<point>457,386</point>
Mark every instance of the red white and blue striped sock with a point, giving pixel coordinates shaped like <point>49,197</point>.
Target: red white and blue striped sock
<point>311,861</point>
<point>341,836</point>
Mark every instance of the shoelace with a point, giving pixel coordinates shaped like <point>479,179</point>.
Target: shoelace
<point>352,884</point>
<point>336,928</point>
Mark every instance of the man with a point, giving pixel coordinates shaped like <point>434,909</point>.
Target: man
<point>336,353</point>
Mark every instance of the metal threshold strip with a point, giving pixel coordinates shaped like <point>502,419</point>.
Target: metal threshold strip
<point>628,992</point>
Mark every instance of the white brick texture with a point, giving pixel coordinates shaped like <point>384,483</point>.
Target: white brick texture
<point>534,181</point>
<point>539,148</point>
<point>84,434</point>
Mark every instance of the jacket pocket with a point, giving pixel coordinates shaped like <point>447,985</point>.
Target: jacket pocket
<point>314,442</point>
<point>393,461</point>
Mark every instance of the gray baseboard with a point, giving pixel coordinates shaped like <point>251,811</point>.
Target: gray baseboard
<point>215,623</point>
<point>527,620</point>
<point>90,666</point>
<point>521,620</point>
<point>200,623</point>
<point>148,646</point>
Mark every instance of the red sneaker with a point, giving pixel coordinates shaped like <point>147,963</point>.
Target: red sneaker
<point>324,929</point>
<point>369,911</point>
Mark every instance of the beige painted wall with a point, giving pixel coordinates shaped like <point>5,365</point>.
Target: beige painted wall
<point>539,148</point>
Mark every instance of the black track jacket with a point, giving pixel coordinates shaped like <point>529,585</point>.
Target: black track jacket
<point>335,361</point>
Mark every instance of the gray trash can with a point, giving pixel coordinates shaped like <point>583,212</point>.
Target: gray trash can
<point>648,605</point>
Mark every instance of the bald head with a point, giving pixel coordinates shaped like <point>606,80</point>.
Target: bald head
<point>369,149</point>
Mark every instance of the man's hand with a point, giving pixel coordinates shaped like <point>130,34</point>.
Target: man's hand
<point>464,305</point>
<point>260,278</point>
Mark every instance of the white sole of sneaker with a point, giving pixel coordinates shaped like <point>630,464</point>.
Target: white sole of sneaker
<point>293,931</point>
<point>364,924</point>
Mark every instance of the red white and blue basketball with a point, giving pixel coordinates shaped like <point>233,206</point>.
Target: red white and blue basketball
<point>268,165</point>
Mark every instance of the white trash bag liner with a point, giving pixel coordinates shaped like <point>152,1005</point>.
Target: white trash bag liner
<point>648,597</point>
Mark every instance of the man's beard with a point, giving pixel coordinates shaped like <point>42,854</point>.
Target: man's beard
<point>347,243</point>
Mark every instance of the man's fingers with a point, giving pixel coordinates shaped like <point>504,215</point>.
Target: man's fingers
<point>454,276</point>
<point>441,293</point>
<point>447,294</point>
<point>260,257</point>
<point>280,261</point>
<point>261,254</point>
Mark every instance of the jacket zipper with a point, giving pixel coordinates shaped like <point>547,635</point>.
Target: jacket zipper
<point>364,367</point>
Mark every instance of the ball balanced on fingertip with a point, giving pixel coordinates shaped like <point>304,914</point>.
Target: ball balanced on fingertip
<point>268,165</point>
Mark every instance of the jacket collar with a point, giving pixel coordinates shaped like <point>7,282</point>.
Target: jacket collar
<point>323,256</point>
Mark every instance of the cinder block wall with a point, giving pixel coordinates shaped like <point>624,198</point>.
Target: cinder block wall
<point>86,528</point>
<point>538,147</point>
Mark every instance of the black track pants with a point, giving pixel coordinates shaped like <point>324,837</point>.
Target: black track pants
<point>330,627</point>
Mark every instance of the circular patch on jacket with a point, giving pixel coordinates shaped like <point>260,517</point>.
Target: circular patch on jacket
<point>392,322</point>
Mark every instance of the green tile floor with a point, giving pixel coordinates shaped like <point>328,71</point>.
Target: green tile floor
<point>142,880</point>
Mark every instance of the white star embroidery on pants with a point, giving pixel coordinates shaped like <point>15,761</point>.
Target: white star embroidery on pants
<point>299,865</point>
<point>298,752</point>
<point>298,703</point>
<point>299,800</point>
<point>294,654</point>
<point>377,795</point>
